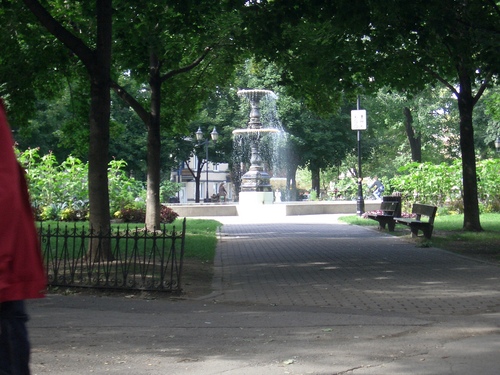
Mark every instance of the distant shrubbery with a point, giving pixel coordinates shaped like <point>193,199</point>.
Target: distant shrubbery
<point>60,191</point>
<point>441,184</point>
<point>437,184</point>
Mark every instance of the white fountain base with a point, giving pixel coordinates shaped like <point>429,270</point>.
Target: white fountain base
<point>255,203</point>
<point>253,198</point>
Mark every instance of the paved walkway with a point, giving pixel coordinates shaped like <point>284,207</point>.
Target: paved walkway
<point>315,261</point>
<point>294,295</point>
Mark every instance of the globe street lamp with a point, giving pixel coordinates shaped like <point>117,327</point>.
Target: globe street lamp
<point>201,142</point>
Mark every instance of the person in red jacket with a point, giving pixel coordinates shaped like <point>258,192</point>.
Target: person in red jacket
<point>22,275</point>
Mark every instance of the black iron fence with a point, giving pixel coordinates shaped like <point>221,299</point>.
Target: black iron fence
<point>128,259</point>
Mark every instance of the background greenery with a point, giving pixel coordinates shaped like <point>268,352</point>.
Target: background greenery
<point>59,191</point>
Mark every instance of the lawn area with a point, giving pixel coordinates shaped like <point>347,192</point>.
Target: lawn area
<point>448,235</point>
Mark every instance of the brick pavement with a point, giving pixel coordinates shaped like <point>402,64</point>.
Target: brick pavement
<point>315,261</point>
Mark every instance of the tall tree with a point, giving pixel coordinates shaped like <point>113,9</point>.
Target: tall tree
<point>455,43</point>
<point>318,143</point>
<point>180,54</point>
<point>96,57</point>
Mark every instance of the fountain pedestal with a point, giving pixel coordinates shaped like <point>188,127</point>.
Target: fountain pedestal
<point>256,183</point>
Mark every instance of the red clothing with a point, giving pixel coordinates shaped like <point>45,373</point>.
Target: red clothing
<point>21,268</point>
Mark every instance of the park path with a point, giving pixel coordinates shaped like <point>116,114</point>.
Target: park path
<point>317,261</point>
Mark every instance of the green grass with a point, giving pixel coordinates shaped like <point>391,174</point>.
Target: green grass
<point>200,240</point>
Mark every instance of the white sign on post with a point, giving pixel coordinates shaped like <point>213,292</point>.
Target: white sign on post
<point>358,119</point>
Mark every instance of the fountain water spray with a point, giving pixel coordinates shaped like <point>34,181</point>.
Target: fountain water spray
<point>255,183</point>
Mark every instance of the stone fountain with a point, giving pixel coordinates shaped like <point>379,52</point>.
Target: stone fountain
<point>255,183</point>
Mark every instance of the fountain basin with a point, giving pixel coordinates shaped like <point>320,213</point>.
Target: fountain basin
<point>271,210</point>
<point>255,130</point>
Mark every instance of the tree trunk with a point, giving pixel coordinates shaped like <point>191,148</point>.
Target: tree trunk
<point>98,65</point>
<point>471,203</point>
<point>197,188</point>
<point>291,183</point>
<point>315,181</point>
<point>99,133</point>
<point>415,141</point>
<point>154,148</point>
<point>98,171</point>
<point>197,178</point>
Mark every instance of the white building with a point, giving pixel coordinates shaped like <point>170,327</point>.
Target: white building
<point>217,173</point>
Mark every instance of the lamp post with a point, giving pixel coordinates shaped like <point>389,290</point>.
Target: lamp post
<point>199,137</point>
<point>497,144</point>
<point>358,122</point>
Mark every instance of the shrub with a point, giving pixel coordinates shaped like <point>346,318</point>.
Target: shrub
<point>167,215</point>
<point>137,214</point>
<point>132,214</point>
<point>75,211</point>
<point>50,212</point>
<point>60,191</point>
<point>124,191</point>
<point>168,189</point>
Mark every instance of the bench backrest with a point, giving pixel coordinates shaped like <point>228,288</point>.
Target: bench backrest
<point>389,208</point>
<point>391,199</point>
<point>425,210</point>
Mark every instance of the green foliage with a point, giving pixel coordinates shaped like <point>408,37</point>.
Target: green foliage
<point>60,191</point>
<point>441,184</point>
<point>488,185</point>
<point>347,188</point>
<point>56,187</point>
<point>168,189</point>
<point>123,190</point>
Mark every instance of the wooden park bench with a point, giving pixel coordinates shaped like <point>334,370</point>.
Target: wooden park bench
<point>417,224</point>
<point>390,209</point>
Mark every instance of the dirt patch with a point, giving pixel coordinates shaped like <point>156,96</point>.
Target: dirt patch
<point>196,282</point>
<point>197,278</point>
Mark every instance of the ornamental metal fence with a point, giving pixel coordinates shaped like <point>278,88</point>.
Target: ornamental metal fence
<point>126,259</point>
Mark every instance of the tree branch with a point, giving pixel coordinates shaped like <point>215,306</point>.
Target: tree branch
<point>483,87</point>
<point>131,101</point>
<point>74,44</point>
<point>441,79</point>
<point>186,68</point>
<point>190,89</point>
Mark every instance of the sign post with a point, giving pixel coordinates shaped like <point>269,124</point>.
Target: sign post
<point>358,123</point>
